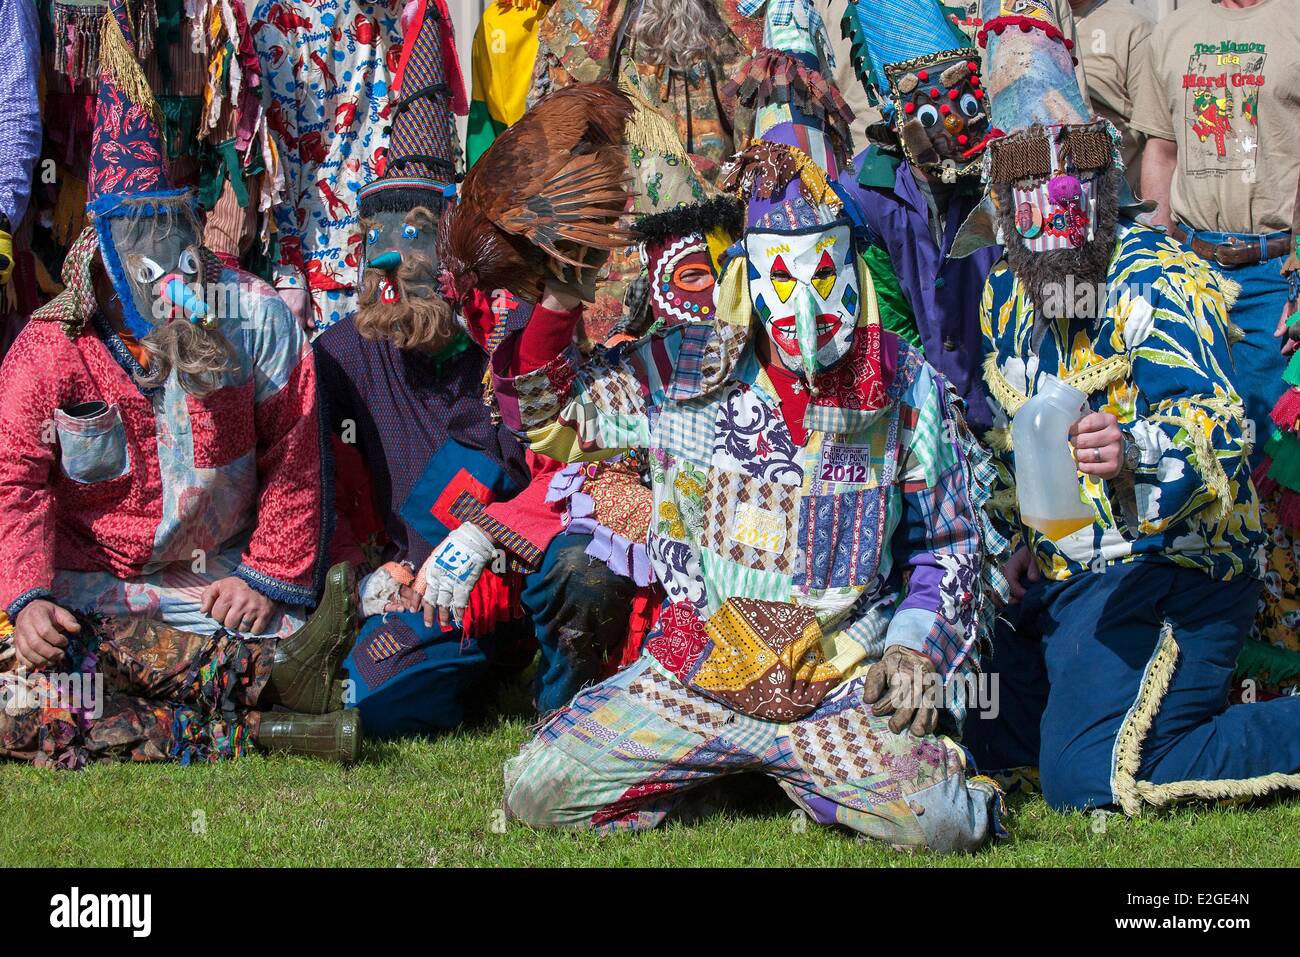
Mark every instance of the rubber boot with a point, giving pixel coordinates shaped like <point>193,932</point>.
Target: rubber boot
<point>334,737</point>
<point>306,670</point>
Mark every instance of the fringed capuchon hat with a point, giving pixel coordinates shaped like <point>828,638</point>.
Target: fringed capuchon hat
<point>920,69</point>
<point>127,181</point>
<point>1045,137</point>
<point>423,147</point>
<point>787,81</point>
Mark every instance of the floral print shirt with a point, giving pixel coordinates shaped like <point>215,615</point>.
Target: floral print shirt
<point>1158,360</point>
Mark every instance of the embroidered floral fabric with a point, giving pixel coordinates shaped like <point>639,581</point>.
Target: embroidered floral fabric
<point>1158,361</point>
<point>741,511</point>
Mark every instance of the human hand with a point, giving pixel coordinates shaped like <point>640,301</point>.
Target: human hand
<point>237,606</point>
<point>1098,445</point>
<point>40,633</point>
<point>1019,566</point>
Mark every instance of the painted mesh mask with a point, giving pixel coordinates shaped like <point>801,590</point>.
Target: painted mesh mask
<point>156,264</point>
<point>804,288</point>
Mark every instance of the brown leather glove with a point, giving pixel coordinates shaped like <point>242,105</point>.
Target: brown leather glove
<point>579,281</point>
<point>905,684</point>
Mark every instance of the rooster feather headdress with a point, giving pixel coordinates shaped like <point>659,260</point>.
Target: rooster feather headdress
<point>549,190</point>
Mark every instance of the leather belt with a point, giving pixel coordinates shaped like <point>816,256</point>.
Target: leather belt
<point>1240,253</point>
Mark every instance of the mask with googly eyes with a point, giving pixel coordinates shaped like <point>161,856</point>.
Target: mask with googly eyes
<point>156,264</point>
<point>398,260</point>
<point>941,113</point>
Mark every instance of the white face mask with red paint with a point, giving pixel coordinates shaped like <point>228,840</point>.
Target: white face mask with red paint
<point>804,288</point>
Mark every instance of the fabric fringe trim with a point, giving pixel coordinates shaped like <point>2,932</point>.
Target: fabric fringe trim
<point>1088,380</point>
<point>1131,793</point>
<point>775,76</point>
<point>649,129</point>
<point>1207,459</point>
<point>1266,663</point>
<point>117,59</point>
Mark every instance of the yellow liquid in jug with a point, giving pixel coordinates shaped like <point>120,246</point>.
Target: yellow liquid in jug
<point>1055,528</point>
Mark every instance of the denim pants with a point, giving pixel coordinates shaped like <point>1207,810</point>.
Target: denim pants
<point>1137,662</point>
<point>409,679</point>
<point>1257,360</point>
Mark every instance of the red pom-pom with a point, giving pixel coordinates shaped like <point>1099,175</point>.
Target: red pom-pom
<point>962,138</point>
<point>1025,28</point>
<point>972,66</point>
<point>978,94</point>
<point>923,75</point>
<point>934,92</point>
<point>909,107</point>
<point>945,109</point>
<point>953,94</point>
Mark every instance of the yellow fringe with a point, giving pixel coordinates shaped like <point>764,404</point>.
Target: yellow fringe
<point>1231,290</point>
<point>1207,461</point>
<point>1089,379</point>
<point>1132,793</point>
<point>116,58</point>
<point>998,439</point>
<point>649,129</point>
<point>1011,399</point>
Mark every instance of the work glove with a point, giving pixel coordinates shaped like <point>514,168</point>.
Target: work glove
<point>453,569</point>
<point>904,683</point>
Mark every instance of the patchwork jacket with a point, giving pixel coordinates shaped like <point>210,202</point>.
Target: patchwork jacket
<point>872,524</point>
<point>102,475</point>
<point>1159,361</point>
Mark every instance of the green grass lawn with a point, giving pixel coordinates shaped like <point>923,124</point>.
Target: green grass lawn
<point>418,803</point>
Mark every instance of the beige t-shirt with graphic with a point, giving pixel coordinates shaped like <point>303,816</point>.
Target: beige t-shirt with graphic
<point>1224,84</point>
<point>1112,46</point>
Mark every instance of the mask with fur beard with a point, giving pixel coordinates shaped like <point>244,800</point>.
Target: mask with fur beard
<point>1045,276</point>
<point>202,357</point>
<point>200,354</point>
<point>399,300</point>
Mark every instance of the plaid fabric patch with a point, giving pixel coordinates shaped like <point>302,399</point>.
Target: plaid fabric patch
<point>686,431</point>
<point>523,555</point>
<point>730,499</point>
<point>387,652</point>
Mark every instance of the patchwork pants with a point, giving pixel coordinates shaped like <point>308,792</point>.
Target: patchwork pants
<point>624,753</point>
<point>410,679</point>
<point>132,690</point>
<point>1134,697</point>
<point>173,595</point>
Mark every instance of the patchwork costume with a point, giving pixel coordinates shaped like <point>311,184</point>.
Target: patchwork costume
<point>412,424</point>
<point>782,558</point>
<point>1114,669</point>
<point>127,499</point>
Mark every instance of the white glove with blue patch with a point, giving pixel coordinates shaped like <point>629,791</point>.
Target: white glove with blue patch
<point>453,570</point>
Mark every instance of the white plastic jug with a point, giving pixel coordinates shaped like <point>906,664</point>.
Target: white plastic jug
<point>1047,478</point>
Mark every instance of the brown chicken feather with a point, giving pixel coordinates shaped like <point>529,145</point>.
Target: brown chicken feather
<point>548,190</point>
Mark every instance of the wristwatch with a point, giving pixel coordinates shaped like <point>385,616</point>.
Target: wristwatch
<point>1132,456</point>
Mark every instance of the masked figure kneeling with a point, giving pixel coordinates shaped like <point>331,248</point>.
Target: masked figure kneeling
<point>164,455</point>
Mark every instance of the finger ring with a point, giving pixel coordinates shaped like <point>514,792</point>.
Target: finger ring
<point>1096,455</point>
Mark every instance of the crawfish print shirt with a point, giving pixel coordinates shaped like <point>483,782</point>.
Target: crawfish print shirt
<point>1158,361</point>
<point>872,523</point>
<point>1221,83</point>
<point>328,66</point>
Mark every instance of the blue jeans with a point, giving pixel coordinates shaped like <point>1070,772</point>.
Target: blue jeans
<point>411,680</point>
<point>1257,360</point>
<point>1138,662</point>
